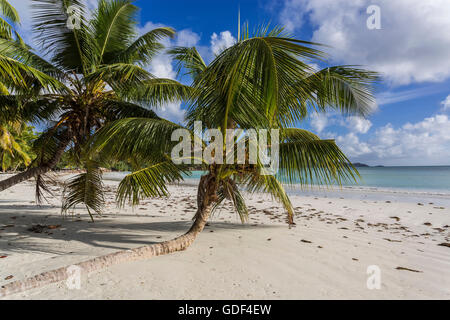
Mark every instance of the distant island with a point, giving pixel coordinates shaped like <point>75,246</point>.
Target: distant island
<point>360,165</point>
<point>363,165</point>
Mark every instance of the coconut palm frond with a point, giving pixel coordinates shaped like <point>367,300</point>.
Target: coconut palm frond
<point>42,187</point>
<point>347,89</point>
<point>157,92</point>
<point>189,59</point>
<point>143,137</point>
<point>255,182</point>
<point>149,182</point>
<point>143,49</point>
<point>306,159</point>
<point>16,50</point>
<point>116,109</point>
<point>7,27</point>
<point>7,10</point>
<point>85,188</point>
<point>72,48</point>
<point>262,67</point>
<point>120,76</point>
<point>19,74</point>
<point>228,190</point>
<point>49,142</point>
<point>114,24</point>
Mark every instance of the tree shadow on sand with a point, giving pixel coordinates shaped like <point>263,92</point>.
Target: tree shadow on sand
<point>108,232</point>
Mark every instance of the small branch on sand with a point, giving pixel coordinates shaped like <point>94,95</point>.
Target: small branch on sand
<point>407,269</point>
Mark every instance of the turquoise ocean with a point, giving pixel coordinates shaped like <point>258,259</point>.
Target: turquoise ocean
<point>415,184</point>
<point>433,179</point>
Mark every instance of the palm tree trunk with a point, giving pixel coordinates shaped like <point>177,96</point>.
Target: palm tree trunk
<point>206,199</point>
<point>35,171</point>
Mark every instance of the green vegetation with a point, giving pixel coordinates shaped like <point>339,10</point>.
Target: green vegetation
<point>96,74</point>
<point>16,141</point>
<point>263,81</point>
<point>94,93</point>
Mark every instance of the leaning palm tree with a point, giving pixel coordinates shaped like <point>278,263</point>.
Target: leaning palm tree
<point>96,74</point>
<point>264,81</point>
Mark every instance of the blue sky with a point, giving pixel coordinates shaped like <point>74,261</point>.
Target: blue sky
<point>410,124</point>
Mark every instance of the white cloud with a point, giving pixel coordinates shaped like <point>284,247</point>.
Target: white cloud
<point>358,124</point>
<point>187,38</point>
<point>390,97</point>
<point>412,45</point>
<point>161,66</point>
<point>446,104</point>
<point>351,145</point>
<point>423,143</point>
<point>222,41</point>
<point>319,121</point>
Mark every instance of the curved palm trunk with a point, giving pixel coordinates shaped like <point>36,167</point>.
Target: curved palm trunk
<point>206,198</point>
<point>35,171</point>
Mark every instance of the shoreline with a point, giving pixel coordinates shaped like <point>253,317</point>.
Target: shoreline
<point>324,257</point>
<point>354,192</point>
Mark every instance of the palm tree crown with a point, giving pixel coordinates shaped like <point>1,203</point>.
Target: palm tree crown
<point>95,73</point>
<point>263,81</point>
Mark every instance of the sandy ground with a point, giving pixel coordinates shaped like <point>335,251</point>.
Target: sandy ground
<point>326,256</point>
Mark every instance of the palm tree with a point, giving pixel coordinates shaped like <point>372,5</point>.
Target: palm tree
<point>96,74</point>
<point>264,81</point>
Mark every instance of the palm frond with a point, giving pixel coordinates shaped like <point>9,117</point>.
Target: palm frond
<point>143,49</point>
<point>7,10</point>
<point>15,50</point>
<point>120,76</point>
<point>346,89</point>
<point>255,182</point>
<point>145,138</point>
<point>7,27</point>
<point>48,143</point>
<point>20,74</point>
<point>72,49</point>
<point>189,59</point>
<point>6,30</point>
<point>156,92</point>
<point>228,190</point>
<point>116,109</point>
<point>42,188</point>
<point>114,24</point>
<point>149,182</point>
<point>85,188</point>
<point>306,159</point>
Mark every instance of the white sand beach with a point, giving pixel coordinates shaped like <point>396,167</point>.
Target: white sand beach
<point>325,256</point>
